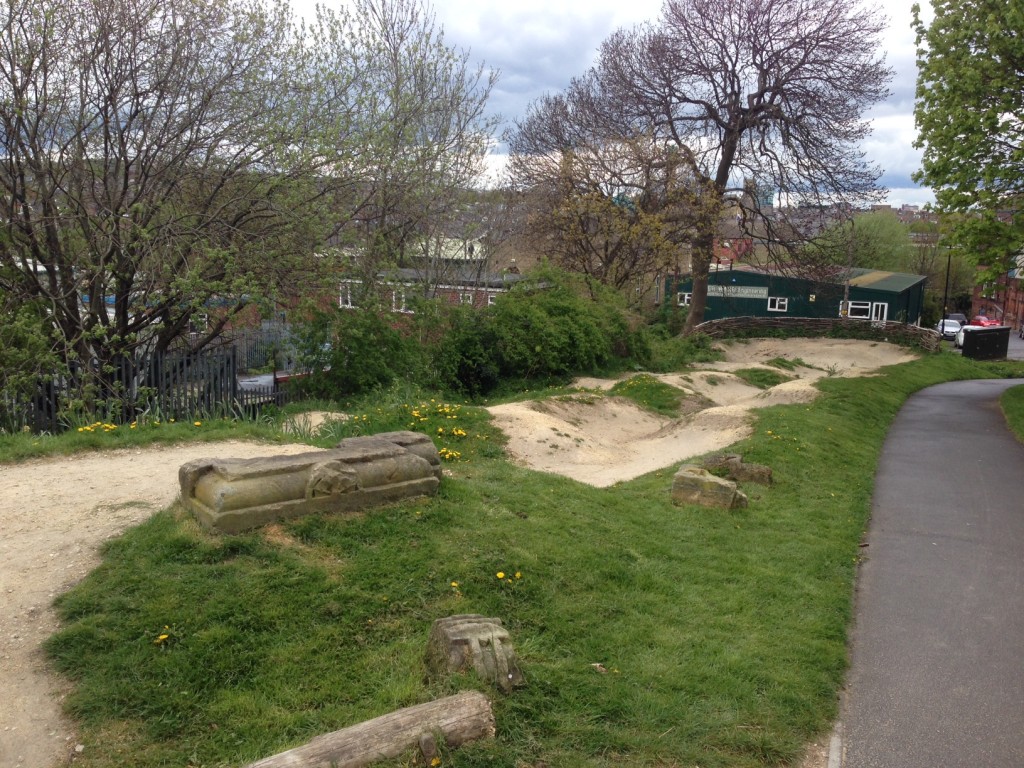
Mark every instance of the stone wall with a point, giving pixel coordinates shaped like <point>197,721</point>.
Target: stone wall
<point>843,328</point>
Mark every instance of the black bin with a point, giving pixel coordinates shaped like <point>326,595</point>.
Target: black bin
<point>986,343</point>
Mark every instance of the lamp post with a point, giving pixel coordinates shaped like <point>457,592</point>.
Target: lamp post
<point>945,293</point>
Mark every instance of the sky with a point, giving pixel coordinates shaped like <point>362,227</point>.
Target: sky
<point>539,45</point>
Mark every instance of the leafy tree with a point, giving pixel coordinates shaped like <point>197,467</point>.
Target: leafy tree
<point>613,211</point>
<point>161,159</point>
<point>875,240</point>
<point>717,93</point>
<point>970,120</point>
<point>425,103</point>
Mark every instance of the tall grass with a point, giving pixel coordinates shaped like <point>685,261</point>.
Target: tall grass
<point>650,634</point>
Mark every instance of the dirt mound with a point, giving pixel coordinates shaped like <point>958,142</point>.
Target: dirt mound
<point>601,440</point>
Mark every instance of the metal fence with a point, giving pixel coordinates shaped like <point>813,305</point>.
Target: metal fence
<point>178,386</point>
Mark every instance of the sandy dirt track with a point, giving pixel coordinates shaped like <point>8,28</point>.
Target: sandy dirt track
<point>56,513</point>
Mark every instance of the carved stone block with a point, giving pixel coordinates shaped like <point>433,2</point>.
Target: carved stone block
<point>739,470</point>
<point>233,495</point>
<point>471,641</point>
<point>695,485</point>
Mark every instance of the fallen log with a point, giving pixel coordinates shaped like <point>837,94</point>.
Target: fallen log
<point>457,719</point>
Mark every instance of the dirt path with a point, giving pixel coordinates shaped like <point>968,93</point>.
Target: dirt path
<point>55,513</point>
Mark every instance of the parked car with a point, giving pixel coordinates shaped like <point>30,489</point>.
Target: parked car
<point>984,322</point>
<point>960,317</point>
<point>958,341</point>
<point>948,328</point>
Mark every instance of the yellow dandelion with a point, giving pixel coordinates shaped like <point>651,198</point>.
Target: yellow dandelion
<point>197,423</point>
<point>519,575</point>
<point>501,574</point>
<point>436,761</point>
<point>455,584</point>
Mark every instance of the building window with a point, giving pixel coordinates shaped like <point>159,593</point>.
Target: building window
<point>491,298</point>
<point>778,304</point>
<point>345,297</point>
<point>466,298</point>
<point>398,301</point>
<point>860,310</point>
<point>683,299</point>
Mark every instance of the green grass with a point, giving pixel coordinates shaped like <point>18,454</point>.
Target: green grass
<point>651,394</point>
<point>1012,403</point>
<point>723,633</point>
<point>787,364</point>
<point>762,378</point>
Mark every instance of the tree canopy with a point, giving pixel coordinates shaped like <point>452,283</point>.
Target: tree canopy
<point>970,120</point>
<point>163,159</point>
<point>682,116</point>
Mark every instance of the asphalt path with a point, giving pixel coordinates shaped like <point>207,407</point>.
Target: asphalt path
<point>937,648</point>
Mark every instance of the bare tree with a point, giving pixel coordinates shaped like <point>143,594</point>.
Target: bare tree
<point>424,104</point>
<point>161,159</point>
<point>769,92</point>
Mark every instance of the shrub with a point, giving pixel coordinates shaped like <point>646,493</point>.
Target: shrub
<point>351,352</point>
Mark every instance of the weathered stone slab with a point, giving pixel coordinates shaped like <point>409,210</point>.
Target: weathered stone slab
<point>695,485</point>
<point>737,469</point>
<point>472,641</point>
<point>233,495</point>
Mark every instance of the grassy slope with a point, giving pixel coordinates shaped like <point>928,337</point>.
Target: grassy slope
<point>723,634</point>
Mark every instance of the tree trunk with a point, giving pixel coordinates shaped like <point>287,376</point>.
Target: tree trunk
<point>464,717</point>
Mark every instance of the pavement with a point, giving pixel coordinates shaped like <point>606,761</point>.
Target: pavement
<point>936,675</point>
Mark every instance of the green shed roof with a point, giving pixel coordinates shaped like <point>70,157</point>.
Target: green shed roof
<point>877,279</point>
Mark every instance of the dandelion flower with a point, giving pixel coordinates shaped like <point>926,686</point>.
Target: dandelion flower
<point>455,584</point>
<point>519,575</point>
<point>501,574</point>
<point>197,423</point>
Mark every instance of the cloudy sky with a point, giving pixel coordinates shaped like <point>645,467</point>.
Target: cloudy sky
<point>538,45</point>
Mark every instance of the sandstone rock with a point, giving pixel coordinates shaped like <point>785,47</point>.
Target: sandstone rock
<point>233,495</point>
<point>471,641</point>
<point>695,485</point>
<point>739,470</point>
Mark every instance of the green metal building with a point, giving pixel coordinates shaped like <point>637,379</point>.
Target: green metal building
<point>874,295</point>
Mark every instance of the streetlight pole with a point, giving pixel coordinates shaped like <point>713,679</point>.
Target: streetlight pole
<point>945,293</point>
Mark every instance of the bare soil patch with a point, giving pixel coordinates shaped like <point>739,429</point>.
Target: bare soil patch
<point>55,513</point>
<point>601,440</point>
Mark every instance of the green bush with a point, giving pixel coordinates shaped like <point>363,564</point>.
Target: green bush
<point>465,358</point>
<point>352,352</point>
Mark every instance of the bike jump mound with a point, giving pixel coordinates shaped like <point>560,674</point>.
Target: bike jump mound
<point>234,495</point>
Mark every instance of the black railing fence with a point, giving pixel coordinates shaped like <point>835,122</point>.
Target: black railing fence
<point>165,386</point>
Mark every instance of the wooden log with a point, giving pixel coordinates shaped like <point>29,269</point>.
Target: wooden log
<point>458,719</point>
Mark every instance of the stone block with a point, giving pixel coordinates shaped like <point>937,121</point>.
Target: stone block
<point>737,469</point>
<point>472,641</point>
<point>695,485</point>
<point>234,495</point>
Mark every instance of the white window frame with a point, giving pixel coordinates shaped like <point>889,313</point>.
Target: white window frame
<point>859,310</point>
<point>683,299</point>
<point>398,301</point>
<point>778,304</point>
<point>345,297</point>
<point>466,298</point>
<point>491,298</point>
